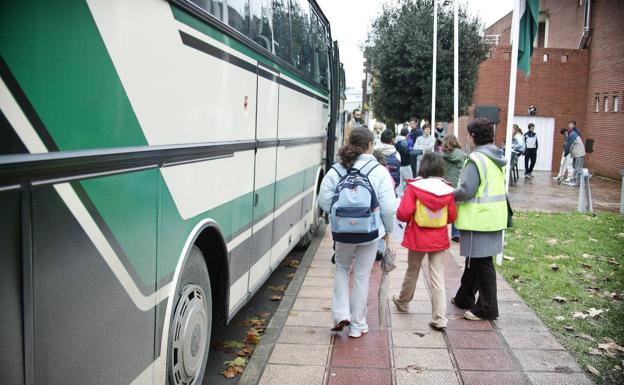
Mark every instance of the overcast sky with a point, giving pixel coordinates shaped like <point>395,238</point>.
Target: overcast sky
<point>351,20</point>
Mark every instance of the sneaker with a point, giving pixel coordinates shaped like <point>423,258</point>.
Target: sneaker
<point>531,176</point>
<point>556,178</point>
<point>471,317</point>
<point>570,184</point>
<point>400,307</point>
<point>437,327</point>
<point>455,239</point>
<point>357,333</point>
<point>340,325</point>
<point>568,180</point>
<point>527,176</point>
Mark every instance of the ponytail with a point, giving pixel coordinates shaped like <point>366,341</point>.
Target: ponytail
<point>359,140</point>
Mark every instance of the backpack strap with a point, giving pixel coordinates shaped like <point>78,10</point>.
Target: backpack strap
<point>335,168</point>
<point>375,164</point>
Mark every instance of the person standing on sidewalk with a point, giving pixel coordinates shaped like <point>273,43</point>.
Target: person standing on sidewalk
<point>576,149</point>
<point>406,170</point>
<point>428,207</point>
<point>530,153</point>
<point>424,143</point>
<point>454,160</point>
<point>357,154</point>
<point>355,122</point>
<point>481,219</point>
<point>566,162</point>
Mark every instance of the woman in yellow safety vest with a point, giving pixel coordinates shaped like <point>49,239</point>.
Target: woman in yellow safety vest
<point>481,218</point>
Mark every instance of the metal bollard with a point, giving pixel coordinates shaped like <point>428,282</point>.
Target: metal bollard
<point>585,200</point>
<point>622,193</point>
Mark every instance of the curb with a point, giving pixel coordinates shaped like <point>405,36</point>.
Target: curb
<point>260,357</point>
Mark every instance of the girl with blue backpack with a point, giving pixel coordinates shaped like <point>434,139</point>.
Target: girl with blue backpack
<point>428,206</point>
<point>358,195</point>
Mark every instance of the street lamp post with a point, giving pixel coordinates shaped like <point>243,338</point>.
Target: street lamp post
<point>435,55</point>
<point>456,68</point>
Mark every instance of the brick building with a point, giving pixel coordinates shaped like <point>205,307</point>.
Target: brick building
<point>577,72</point>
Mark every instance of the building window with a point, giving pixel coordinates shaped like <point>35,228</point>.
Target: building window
<point>545,57</point>
<point>596,104</point>
<point>606,107</point>
<point>564,58</point>
<point>616,103</point>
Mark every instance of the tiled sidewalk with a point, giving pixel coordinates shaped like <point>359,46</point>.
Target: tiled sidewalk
<point>515,349</point>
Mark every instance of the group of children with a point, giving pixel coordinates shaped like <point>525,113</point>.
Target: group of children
<point>427,206</point>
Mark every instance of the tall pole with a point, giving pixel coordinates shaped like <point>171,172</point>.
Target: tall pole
<point>456,69</point>
<point>435,55</point>
<point>511,105</point>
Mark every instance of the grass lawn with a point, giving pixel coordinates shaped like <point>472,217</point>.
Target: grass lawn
<point>580,258</point>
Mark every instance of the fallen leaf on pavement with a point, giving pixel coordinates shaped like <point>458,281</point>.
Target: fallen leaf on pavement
<point>276,298</point>
<point>554,267</point>
<point>419,334</point>
<point>233,345</point>
<point>277,288</point>
<point>560,299</point>
<point>245,352</point>
<point>253,336</point>
<point>232,371</point>
<point>415,369</point>
<point>592,370</point>
<point>264,315</point>
<point>292,263</point>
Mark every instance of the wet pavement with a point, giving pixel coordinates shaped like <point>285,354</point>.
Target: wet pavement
<point>542,193</point>
<point>300,349</point>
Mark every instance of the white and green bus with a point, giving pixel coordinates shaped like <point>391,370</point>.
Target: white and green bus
<point>158,160</point>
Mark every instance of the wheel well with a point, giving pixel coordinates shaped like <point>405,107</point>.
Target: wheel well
<point>211,243</point>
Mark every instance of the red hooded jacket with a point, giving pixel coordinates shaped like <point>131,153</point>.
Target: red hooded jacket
<point>435,193</point>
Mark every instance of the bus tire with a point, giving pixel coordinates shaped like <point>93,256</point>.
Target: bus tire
<point>191,323</point>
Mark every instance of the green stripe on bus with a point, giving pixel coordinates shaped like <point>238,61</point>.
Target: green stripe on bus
<point>199,25</point>
<point>67,74</point>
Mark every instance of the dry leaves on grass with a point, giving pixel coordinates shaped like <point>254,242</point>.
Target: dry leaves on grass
<point>560,318</point>
<point>552,241</point>
<point>554,267</point>
<point>593,370</point>
<point>610,348</point>
<point>508,258</point>
<point>559,299</point>
<point>590,313</point>
<point>612,261</point>
<point>556,257</point>
<point>588,256</point>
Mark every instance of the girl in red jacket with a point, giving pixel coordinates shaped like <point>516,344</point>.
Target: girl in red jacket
<point>427,206</point>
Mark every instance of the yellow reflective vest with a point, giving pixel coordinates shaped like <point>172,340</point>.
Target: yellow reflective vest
<point>487,210</point>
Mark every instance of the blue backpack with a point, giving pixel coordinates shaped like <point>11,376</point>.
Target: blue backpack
<point>393,164</point>
<point>355,216</point>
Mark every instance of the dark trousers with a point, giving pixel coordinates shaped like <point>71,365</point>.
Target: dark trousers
<point>479,276</point>
<point>529,160</point>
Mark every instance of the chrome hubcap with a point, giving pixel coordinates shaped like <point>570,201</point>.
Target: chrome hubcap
<point>189,331</point>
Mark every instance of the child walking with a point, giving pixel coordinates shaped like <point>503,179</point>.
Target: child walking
<point>428,206</point>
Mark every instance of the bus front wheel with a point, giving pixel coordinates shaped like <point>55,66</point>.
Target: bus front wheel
<point>191,322</point>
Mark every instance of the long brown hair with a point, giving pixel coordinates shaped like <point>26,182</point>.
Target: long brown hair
<point>359,141</point>
<point>450,142</point>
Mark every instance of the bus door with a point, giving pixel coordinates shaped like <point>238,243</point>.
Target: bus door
<point>265,169</point>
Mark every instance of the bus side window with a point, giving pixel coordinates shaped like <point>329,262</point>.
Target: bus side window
<point>301,54</point>
<point>237,16</point>
<point>214,7</point>
<point>281,29</point>
<point>321,50</point>
<point>261,26</point>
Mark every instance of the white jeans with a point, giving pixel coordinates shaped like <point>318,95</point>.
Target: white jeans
<point>354,309</point>
<point>406,173</point>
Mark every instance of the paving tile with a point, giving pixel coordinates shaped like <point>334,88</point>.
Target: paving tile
<point>514,308</point>
<point>310,318</point>
<point>309,355</point>
<point>464,324</point>
<point>484,359</point>
<point>316,292</point>
<point>346,355</point>
<point>536,340</point>
<point>374,338</point>
<point>403,321</point>
<point>419,295</point>
<point>322,263</point>
<point>313,304</point>
<point>415,307</point>
<point>493,378</point>
<point>559,379</point>
<point>305,335</point>
<point>318,282</point>
<point>320,272</point>
<point>462,339</point>
<point>359,376</point>
<point>425,338</point>
<point>507,295</point>
<point>422,357</point>
<point>292,375</point>
<point>526,323</point>
<point>426,377</point>
<point>546,360</point>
